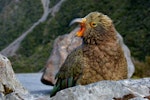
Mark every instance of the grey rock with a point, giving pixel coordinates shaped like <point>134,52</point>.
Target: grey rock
<point>63,45</point>
<point>1,96</point>
<point>1,87</point>
<point>13,96</point>
<point>127,54</point>
<point>108,90</point>
<point>8,82</point>
<point>139,98</point>
<point>12,89</point>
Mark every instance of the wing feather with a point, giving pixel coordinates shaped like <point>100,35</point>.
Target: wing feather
<point>69,72</point>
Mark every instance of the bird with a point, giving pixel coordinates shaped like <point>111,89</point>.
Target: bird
<point>100,57</point>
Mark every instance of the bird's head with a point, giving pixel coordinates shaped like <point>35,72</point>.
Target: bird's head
<point>94,27</point>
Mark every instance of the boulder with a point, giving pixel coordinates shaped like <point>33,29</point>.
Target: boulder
<point>63,45</point>
<point>138,89</point>
<point>127,54</point>
<point>10,87</point>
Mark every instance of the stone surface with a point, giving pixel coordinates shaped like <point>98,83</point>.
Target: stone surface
<point>63,45</point>
<point>108,90</point>
<point>12,89</point>
<point>9,85</point>
<point>127,54</point>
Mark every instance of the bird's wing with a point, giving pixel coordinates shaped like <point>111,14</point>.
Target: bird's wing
<point>69,72</point>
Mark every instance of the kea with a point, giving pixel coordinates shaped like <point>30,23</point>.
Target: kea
<point>100,57</point>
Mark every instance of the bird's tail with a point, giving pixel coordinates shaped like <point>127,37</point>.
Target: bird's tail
<point>56,88</point>
<point>62,84</point>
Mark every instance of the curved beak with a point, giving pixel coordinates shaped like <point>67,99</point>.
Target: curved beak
<point>81,21</point>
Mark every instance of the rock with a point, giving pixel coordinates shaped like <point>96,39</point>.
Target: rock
<point>127,54</point>
<point>12,96</point>
<point>63,45</point>
<point>138,89</point>
<point>1,96</point>
<point>10,87</point>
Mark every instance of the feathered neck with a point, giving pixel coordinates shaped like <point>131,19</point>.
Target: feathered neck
<point>94,37</point>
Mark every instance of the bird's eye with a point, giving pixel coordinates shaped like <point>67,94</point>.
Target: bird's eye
<point>93,24</point>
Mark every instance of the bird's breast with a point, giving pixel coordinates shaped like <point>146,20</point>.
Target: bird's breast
<point>103,63</point>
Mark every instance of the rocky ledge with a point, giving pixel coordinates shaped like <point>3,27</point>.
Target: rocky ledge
<point>20,86</point>
<point>130,89</point>
<point>12,89</point>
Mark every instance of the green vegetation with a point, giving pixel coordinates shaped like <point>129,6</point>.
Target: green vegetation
<point>16,18</point>
<point>134,28</point>
<point>53,2</point>
<point>3,3</point>
<point>142,68</point>
<point>131,18</point>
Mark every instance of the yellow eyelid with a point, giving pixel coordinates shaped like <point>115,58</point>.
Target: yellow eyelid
<point>93,24</point>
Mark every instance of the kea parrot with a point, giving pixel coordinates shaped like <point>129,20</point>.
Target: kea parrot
<point>100,57</point>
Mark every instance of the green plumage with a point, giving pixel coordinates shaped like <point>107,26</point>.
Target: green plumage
<point>62,84</point>
<point>67,76</point>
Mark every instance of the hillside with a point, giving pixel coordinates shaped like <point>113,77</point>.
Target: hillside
<point>131,18</point>
<point>16,17</point>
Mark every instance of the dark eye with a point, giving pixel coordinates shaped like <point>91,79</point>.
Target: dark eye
<point>93,24</point>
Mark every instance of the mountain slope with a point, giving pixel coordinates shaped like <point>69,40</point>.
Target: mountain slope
<point>130,17</point>
<point>16,17</point>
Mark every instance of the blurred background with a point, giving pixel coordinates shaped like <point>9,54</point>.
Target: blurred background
<point>131,19</point>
